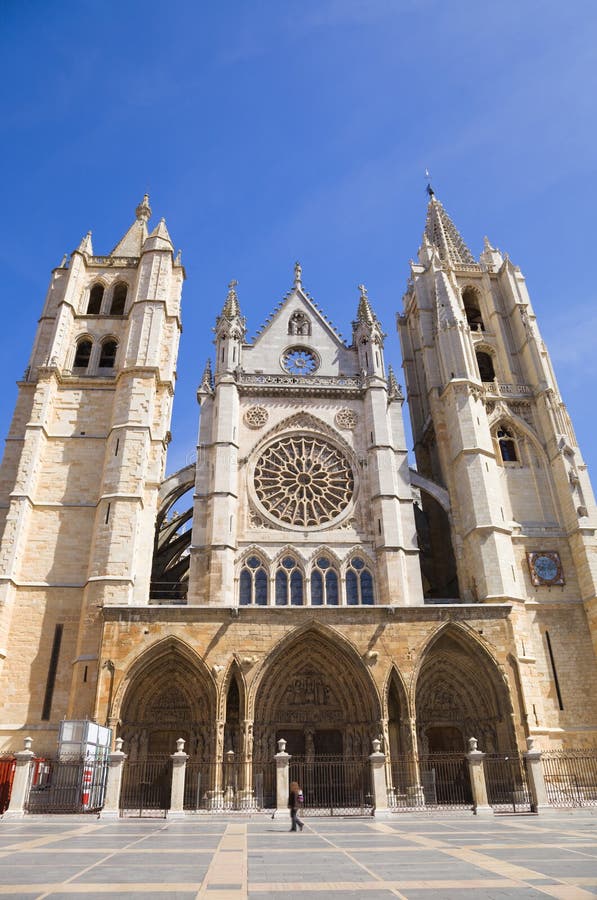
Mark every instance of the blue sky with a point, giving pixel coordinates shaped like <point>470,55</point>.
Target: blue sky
<point>269,131</point>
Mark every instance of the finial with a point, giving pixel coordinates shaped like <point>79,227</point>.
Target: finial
<point>143,211</point>
<point>363,291</point>
<point>232,285</point>
<point>429,189</point>
<point>63,263</point>
<point>178,260</point>
<point>298,275</point>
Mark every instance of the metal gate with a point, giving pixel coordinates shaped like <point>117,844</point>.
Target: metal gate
<point>432,781</point>
<point>146,787</point>
<point>334,785</point>
<point>7,771</point>
<point>220,787</point>
<point>506,780</point>
<point>67,785</point>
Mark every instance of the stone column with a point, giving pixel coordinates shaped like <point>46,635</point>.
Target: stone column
<point>21,782</point>
<point>179,766</point>
<point>111,808</point>
<point>414,792</point>
<point>535,777</point>
<point>245,797</point>
<point>476,768</point>
<point>379,785</point>
<point>282,781</point>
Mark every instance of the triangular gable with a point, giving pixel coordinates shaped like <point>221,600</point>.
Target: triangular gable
<point>299,298</point>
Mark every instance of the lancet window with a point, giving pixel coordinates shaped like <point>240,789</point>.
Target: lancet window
<point>96,295</point>
<point>82,354</point>
<point>359,583</point>
<point>253,583</point>
<point>108,354</point>
<point>472,309</point>
<point>507,444</point>
<point>118,299</point>
<point>485,363</point>
<point>324,583</point>
<point>289,583</point>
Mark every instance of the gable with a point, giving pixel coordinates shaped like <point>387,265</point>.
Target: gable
<point>297,323</point>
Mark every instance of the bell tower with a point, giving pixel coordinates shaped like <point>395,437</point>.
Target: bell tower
<point>84,459</point>
<point>490,426</point>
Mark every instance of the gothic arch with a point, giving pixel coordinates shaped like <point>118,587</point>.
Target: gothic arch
<point>170,564</point>
<point>298,695</point>
<point>233,672</point>
<point>460,691</point>
<point>167,693</point>
<point>396,714</point>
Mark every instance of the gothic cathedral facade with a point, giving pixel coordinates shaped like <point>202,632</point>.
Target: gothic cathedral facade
<point>299,579</point>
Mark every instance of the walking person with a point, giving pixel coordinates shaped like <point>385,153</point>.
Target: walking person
<point>294,799</point>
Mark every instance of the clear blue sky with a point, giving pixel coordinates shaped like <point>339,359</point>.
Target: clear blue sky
<point>272,131</point>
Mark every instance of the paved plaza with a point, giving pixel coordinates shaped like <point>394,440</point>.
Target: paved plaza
<point>412,857</point>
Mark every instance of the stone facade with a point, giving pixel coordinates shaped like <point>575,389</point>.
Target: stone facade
<point>313,587</point>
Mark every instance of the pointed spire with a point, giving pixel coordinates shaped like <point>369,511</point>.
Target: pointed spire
<point>231,308</point>
<point>159,239</point>
<point>364,311</point>
<point>445,237</point>
<point>207,380</point>
<point>143,211</point>
<point>85,245</point>
<point>394,391</point>
<point>63,262</point>
<point>130,245</point>
<point>298,275</point>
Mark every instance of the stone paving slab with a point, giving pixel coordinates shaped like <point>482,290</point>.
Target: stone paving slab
<point>505,858</point>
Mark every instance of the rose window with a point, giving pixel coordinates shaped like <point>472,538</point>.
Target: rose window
<point>303,481</point>
<point>300,361</point>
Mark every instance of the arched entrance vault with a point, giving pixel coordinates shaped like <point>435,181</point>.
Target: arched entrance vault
<point>168,693</point>
<point>316,692</point>
<point>461,692</point>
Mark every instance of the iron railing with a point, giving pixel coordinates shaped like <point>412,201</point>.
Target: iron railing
<point>146,786</point>
<point>429,781</point>
<point>506,781</point>
<point>229,786</point>
<point>67,784</point>
<point>570,777</point>
<point>333,785</point>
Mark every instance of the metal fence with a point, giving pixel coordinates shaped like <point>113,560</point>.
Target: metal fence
<point>430,781</point>
<point>67,784</point>
<point>146,786</point>
<point>229,786</point>
<point>7,771</point>
<point>333,785</point>
<point>506,780</point>
<point>570,777</point>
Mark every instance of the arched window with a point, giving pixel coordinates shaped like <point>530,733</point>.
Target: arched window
<point>253,583</point>
<point>299,324</point>
<point>118,299</point>
<point>359,583</point>
<point>507,444</point>
<point>472,309</point>
<point>96,295</point>
<point>485,363</point>
<point>82,354</point>
<point>289,583</point>
<point>324,583</point>
<point>108,355</point>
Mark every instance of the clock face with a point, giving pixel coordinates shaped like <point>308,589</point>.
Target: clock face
<point>299,361</point>
<point>546,568</point>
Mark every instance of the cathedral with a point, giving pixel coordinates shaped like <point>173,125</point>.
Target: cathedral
<point>298,580</point>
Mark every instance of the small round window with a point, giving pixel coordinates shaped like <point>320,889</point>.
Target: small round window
<point>300,361</point>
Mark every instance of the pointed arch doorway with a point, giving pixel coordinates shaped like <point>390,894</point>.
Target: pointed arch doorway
<point>165,696</point>
<point>317,695</point>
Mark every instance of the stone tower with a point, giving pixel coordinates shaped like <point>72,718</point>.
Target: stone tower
<point>490,426</point>
<point>83,463</point>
